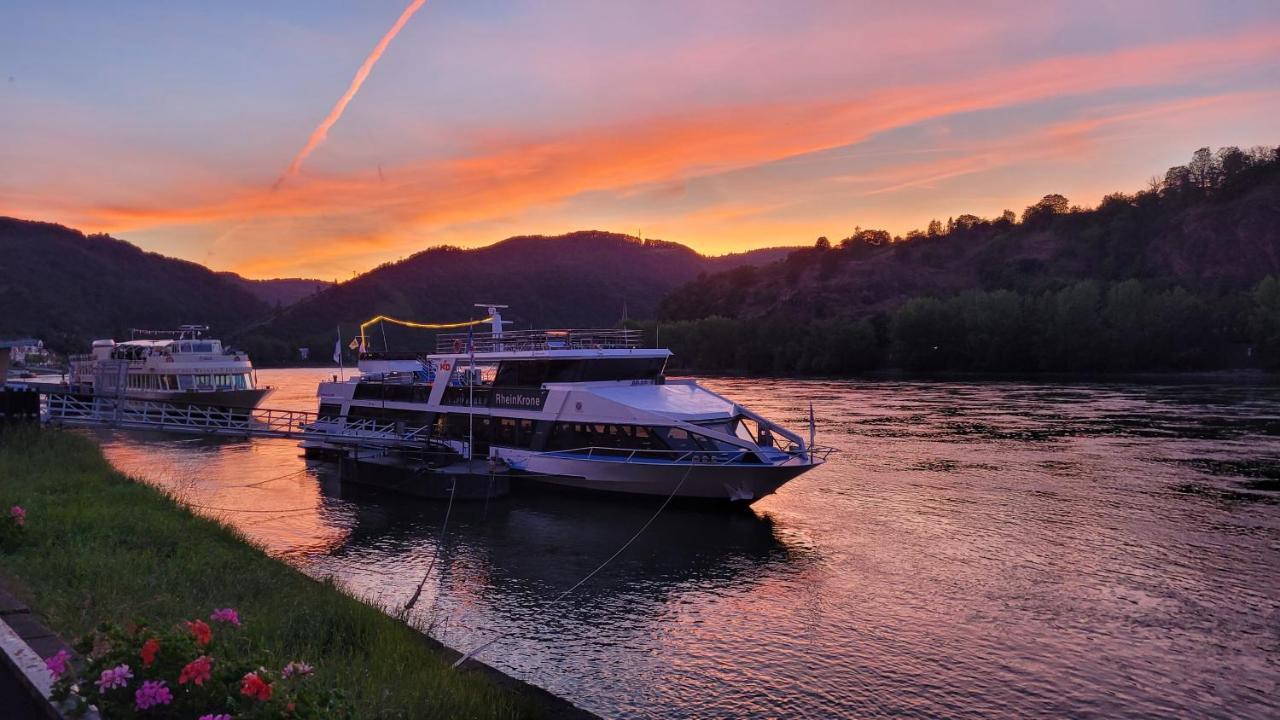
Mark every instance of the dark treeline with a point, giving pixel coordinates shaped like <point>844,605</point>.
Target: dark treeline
<point>1086,326</point>
<point>1179,276</point>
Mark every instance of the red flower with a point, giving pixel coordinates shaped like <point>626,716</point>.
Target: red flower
<point>201,630</point>
<point>149,650</point>
<point>196,671</point>
<point>254,687</point>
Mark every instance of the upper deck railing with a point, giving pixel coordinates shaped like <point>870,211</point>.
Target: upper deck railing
<point>525,340</point>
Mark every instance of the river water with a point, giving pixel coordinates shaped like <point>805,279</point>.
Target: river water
<point>973,550</point>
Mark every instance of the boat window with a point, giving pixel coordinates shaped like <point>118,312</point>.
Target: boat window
<point>184,347</point>
<point>535,372</point>
<point>460,426</point>
<point>677,438</point>
<point>330,411</point>
<point>513,432</point>
<point>186,382</point>
<point>202,347</point>
<point>399,392</point>
<point>574,436</point>
<point>410,418</point>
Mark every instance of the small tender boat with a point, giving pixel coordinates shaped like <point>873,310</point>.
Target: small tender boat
<point>180,366</point>
<point>583,409</point>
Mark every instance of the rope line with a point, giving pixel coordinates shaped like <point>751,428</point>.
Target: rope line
<point>260,483</point>
<point>469,654</point>
<point>445,526</point>
<point>245,510</point>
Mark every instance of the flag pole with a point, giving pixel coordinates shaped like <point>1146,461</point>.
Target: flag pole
<point>337,353</point>
<point>471,397</point>
<point>813,428</point>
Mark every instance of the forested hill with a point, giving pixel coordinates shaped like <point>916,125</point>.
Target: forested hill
<point>64,287</point>
<point>1172,277</point>
<point>279,293</point>
<point>582,279</point>
<point>1215,232</point>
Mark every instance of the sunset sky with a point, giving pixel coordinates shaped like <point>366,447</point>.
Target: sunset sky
<point>721,125</point>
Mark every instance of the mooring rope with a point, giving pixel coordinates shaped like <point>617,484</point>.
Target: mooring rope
<point>260,483</point>
<point>471,653</point>
<point>246,510</point>
<point>443,527</point>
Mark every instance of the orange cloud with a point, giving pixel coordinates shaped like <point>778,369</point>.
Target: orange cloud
<point>512,176</point>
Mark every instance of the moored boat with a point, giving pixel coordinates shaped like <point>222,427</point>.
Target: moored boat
<point>581,409</point>
<point>182,366</point>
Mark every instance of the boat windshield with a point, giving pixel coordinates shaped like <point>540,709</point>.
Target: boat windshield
<point>743,427</point>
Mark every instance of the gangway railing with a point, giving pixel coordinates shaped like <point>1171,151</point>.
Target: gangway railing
<point>90,411</point>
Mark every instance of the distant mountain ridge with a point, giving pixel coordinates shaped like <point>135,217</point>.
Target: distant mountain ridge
<point>63,286</point>
<point>581,279</point>
<point>279,292</point>
<point>66,287</point>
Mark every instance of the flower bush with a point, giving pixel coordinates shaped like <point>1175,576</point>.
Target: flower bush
<point>12,526</point>
<point>188,670</point>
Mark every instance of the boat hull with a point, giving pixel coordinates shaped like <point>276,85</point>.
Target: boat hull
<point>729,483</point>
<point>213,398</point>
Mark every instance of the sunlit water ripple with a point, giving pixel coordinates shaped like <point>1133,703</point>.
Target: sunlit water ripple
<point>974,550</point>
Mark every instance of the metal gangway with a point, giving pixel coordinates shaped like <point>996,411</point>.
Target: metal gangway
<point>74,410</point>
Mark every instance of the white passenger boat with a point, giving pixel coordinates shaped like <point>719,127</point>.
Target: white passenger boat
<point>180,366</point>
<point>583,409</point>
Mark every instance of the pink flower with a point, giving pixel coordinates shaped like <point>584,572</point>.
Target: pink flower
<point>222,716</point>
<point>196,671</point>
<point>226,615</point>
<point>18,514</point>
<point>296,668</point>
<point>152,693</point>
<point>115,677</point>
<point>58,663</point>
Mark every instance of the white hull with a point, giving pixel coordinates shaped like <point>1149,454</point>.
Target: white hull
<point>736,482</point>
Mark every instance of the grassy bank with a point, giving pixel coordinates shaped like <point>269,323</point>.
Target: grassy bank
<point>101,547</point>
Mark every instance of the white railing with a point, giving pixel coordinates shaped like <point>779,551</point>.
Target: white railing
<point>80,410</point>
<point>816,454</point>
<point>524,340</point>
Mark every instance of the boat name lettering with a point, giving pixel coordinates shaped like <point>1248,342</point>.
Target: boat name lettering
<point>519,399</point>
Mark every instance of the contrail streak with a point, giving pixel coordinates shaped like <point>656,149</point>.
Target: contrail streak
<point>322,130</point>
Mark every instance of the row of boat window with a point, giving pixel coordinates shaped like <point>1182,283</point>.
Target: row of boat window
<point>543,435</point>
<point>138,352</point>
<point>222,381</point>
<point>521,374</point>
<point>533,373</point>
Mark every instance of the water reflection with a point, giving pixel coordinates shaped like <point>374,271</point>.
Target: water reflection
<point>525,550</point>
<point>975,550</point>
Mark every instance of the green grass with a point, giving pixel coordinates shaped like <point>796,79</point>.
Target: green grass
<point>101,547</point>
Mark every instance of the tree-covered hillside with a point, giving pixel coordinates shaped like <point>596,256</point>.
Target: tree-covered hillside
<point>66,288</point>
<point>1178,276</point>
